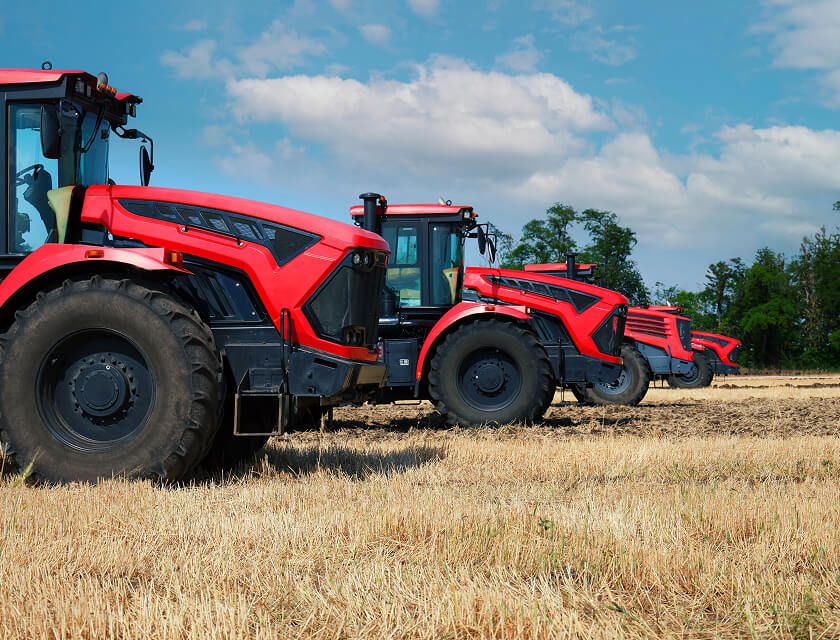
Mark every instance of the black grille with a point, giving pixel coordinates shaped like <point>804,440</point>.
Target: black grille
<point>284,242</point>
<point>579,300</point>
<point>646,324</point>
<point>609,335</point>
<point>345,309</point>
<point>684,331</point>
<point>735,354</point>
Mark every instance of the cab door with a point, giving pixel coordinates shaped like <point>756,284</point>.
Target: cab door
<point>30,176</point>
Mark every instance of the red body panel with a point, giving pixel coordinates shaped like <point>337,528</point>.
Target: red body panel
<point>580,325</point>
<point>458,313</point>
<point>287,286</point>
<point>57,256</point>
<point>643,322</point>
<point>711,341</point>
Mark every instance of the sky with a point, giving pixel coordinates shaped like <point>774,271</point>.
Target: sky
<point>711,129</point>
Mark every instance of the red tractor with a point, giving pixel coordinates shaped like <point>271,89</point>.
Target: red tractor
<point>656,345</point>
<point>713,354</point>
<point>146,330</point>
<point>483,344</point>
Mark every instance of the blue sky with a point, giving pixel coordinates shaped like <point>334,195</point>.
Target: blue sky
<point>709,128</point>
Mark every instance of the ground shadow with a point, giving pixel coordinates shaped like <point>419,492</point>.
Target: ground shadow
<point>302,459</point>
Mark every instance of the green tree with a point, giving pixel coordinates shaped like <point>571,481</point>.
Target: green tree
<point>611,247</point>
<point>695,305</point>
<point>722,278</point>
<point>816,272</point>
<point>765,308</point>
<point>545,240</point>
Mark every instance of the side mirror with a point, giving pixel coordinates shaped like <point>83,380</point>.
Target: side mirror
<point>481,238</point>
<point>491,250</point>
<point>145,167</point>
<point>50,132</point>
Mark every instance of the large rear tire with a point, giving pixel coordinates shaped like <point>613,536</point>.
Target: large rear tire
<point>632,383</point>
<point>701,374</point>
<point>490,371</point>
<point>102,378</point>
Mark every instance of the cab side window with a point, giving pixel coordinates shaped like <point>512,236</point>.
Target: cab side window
<point>31,219</point>
<point>403,275</point>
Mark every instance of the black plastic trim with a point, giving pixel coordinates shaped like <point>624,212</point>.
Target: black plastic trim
<point>241,227</point>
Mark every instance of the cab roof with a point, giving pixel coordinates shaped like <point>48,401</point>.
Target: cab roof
<point>31,76</point>
<point>413,209</point>
<point>555,266</point>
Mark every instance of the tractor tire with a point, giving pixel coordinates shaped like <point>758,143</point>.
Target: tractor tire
<point>227,451</point>
<point>104,377</point>
<point>490,371</point>
<point>701,374</point>
<point>632,383</point>
<point>579,392</point>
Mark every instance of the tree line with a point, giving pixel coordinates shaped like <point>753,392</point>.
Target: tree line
<point>785,309</point>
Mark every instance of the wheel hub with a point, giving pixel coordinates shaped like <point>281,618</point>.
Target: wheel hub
<point>489,377</point>
<point>101,389</point>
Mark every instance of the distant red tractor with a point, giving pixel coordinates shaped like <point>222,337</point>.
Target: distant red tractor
<point>147,330</point>
<point>656,345</point>
<point>484,344</point>
<point>714,354</point>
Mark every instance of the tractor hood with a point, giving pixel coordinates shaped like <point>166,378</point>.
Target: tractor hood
<point>475,275</point>
<point>328,229</point>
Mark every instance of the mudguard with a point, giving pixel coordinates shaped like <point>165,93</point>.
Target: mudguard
<point>56,257</point>
<point>458,314</point>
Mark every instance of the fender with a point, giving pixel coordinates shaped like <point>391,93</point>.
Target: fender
<point>52,257</point>
<point>457,314</point>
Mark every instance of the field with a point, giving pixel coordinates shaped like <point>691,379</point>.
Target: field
<point>703,513</point>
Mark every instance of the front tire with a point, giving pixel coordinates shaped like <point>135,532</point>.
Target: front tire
<point>701,374</point>
<point>102,378</point>
<point>490,371</point>
<point>632,383</point>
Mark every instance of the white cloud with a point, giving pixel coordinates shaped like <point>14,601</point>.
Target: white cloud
<point>194,25</point>
<point>278,48</point>
<point>196,62</point>
<point>450,117</point>
<point>567,12</point>
<point>806,36</point>
<point>425,8</point>
<point>446,131</point>
<point>524,56</point>
<point>375,33</point>
<point>613,52</point>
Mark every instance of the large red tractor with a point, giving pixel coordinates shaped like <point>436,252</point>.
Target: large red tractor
<point>483,344</point>
<point>656,345</point>
<point>146,330</point>
<point>713,354</point>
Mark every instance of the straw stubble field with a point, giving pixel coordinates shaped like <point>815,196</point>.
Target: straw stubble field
<point>706,513</point>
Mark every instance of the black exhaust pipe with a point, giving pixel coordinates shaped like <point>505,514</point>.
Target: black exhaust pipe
<point>370,221</point>
<point>571,266</point>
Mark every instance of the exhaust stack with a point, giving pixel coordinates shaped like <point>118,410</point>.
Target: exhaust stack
<point>571,266</point>
<point>370,222</point>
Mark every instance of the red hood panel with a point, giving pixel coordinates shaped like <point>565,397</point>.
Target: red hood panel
<point>607,295</point>
<point>324,227</point>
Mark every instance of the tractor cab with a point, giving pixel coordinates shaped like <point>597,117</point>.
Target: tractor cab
<point>59,124</point>
<point>425,270</point>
